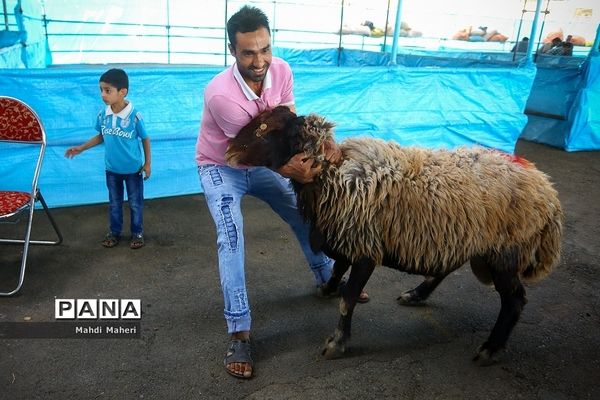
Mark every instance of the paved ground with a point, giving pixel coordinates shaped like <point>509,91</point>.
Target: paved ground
<point>396,352</point>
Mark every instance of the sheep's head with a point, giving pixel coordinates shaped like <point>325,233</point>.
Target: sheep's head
<point>274,136</point>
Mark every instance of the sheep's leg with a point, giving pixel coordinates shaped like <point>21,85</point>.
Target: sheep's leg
<point>512,296</point>
<point>335,345</point>
<point>420,293</point>
<point>332,285</point>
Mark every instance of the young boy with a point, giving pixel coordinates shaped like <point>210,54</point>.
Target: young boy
<point>120,127</point>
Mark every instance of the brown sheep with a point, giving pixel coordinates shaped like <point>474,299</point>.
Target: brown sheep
<point>417,210</point>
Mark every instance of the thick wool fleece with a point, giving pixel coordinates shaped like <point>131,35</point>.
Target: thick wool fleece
<point>432,210</point>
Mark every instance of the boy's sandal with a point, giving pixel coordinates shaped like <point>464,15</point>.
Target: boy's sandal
<point>137,242</point>
<point>238,352</point>
<point>110,240</point>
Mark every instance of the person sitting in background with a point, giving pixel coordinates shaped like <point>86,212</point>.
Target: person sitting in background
<point>552,48</point>
<point>567,46</point>
<point>521,47</point>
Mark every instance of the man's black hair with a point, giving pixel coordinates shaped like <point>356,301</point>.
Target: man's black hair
<point>116,77</point>
<point>247,19</point>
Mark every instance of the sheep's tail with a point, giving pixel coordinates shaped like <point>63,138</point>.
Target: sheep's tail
<point>547,254</point>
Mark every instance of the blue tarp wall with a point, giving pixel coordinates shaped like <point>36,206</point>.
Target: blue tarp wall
<point>441,99</point>
<point>426,106</point>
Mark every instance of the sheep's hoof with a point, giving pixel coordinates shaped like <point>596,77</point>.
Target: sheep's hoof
<point>332,348</point>
<point>410,298</point>
<point>484,356</point>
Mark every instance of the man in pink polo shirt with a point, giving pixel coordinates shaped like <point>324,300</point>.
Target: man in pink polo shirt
<point>256,82</point>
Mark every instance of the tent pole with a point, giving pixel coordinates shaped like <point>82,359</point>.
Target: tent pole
<point>539,40</point>
<point>596,44</point>
<point>168,34</point>
<point>339,55</point>
<point>536,17</point>
<point>5,14</point>
<point>523,11</point>
<point>225,47</point>
<point>387,22</point>
<point>397,27</point>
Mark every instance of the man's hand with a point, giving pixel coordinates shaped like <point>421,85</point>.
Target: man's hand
<point>300,168</point>
<point>332,152</point>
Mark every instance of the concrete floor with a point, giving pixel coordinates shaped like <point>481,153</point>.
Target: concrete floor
<point>396,352</point>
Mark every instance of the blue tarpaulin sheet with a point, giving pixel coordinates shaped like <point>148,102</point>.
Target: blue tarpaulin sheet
<point>425,106</point>
<point>585,115</point>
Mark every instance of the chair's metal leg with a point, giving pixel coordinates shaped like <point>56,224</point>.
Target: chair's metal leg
<point>52,221</point>
<point>25,251</point>
<point>26,242</point>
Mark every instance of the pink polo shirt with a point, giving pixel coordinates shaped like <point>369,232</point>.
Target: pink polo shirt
<point>229,104</point>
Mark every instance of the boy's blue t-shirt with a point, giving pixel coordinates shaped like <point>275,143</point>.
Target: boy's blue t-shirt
<point>121,134</point>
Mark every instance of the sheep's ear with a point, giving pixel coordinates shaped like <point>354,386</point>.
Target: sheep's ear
<point>316,130</point>
<point>246,148</point>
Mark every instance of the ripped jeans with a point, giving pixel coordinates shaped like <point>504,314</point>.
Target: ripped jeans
<point>224,188</point>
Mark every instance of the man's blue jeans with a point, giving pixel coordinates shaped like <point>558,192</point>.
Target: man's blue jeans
<point>224,188</point>
<point>135,195</point>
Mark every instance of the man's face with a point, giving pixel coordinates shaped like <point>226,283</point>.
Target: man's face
<point>253,54</point>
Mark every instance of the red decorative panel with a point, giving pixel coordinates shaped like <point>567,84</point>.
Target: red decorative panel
<point>10,202</point>
<point>18,122</point>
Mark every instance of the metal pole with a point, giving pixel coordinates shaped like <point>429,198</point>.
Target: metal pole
<point>397,27</point>
<point>168,34</point>
<point>340,39</point>
<point>519,30</point>
<point>387,22</point>
<point>274,24</point>
<point>5,14</point>
<point>536,17</point>
<point>595,49</point>
<point>225,38</point>
<point>539,39</point>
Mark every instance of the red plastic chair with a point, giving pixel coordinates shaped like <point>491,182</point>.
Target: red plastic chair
<point>20,124</point>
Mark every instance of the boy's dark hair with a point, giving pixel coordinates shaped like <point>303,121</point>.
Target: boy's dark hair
<point>247,19</point>
<point>116,77</point>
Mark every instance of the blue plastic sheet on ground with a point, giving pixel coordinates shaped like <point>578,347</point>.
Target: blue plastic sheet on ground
<point>433,107</point>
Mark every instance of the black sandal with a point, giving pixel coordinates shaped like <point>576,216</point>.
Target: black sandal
<point>137,242</point>
<point>238,352</point>
<point>110,240</point>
